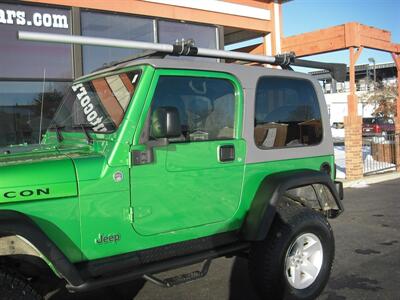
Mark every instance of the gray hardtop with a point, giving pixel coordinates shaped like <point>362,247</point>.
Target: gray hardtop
<point>248,75</point>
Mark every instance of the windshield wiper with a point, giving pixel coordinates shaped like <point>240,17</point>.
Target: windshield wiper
<point>85,128</point>
<point>58,128</point>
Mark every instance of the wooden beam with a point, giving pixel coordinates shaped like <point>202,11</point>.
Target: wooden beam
<point>371,43</point>
<point>374,38</point>
<point>352,98</point>
<point>253,49</point>
<point>357,54</point>
<point>396,58</point>
<point>376,33</point>
<point>351,37</point>
<point>316,42</point>
<point>338,38</point>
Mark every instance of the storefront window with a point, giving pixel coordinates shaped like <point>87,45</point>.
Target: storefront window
<point>112,26</point>
<point>25,108</point>
<point>203,36</point>
<point>22,59</point>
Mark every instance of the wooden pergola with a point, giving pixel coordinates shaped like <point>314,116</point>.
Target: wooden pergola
<point>355,37</point>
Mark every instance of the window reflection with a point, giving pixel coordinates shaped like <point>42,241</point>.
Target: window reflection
<point>22,113</point>
<point>23,59</point>
<point>116,27</point>
<point>204,36</point>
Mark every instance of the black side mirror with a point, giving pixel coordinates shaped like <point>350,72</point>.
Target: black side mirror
<point>165,123</point>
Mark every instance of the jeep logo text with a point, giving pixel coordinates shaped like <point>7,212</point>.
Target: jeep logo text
<point>105,239</point>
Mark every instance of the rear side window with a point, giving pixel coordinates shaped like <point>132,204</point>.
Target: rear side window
<point>287,113</point>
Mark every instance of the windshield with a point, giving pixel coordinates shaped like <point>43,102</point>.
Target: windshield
<point>368,121</point>
<point>99,104</point>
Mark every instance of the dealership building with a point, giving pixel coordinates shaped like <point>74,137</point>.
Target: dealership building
<point>34,76</point>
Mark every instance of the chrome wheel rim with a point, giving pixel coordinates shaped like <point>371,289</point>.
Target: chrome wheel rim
<point>303,261</point>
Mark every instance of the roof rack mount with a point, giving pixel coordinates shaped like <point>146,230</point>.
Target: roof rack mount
<point>184,48</point>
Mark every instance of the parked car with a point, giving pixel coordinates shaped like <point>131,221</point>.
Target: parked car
<point>338,125</point>
<point>377,126</point>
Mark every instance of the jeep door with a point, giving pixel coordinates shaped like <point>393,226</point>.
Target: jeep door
<point>196,178</point>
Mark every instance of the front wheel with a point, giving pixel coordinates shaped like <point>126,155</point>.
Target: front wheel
<point>14,286</point>
<point>295,260</point>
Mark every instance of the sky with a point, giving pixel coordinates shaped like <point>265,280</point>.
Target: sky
<point>301,16</point>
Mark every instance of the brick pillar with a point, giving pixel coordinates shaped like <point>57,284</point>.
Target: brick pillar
<point>397,141</point>
<point>353,144</point>
<point>396,58</point>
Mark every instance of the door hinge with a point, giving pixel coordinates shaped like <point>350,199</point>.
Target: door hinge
<point>131,214</point>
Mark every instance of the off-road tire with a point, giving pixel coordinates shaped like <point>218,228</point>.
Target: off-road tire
<point>15,287</point>
<point>267,258</point>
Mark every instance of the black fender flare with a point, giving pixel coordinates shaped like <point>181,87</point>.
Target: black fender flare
<point>13,223</point>
<point>263,207</point>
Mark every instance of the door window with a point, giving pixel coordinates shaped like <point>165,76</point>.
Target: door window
<point>206,106</point>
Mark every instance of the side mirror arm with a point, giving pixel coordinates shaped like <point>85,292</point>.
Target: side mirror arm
<point>142,157</point>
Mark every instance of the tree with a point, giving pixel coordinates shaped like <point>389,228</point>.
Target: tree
<point>383,98</point>
<point>42,116</point>
<point>51,102</point>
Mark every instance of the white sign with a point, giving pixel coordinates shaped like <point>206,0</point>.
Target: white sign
<point>91,114</point>
<point>18,17</point>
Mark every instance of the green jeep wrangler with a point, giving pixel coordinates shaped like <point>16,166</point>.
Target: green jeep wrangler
<point>154,163</point>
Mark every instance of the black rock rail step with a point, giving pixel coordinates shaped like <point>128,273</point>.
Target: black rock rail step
<point>182,278</point>
<point>158,267</point>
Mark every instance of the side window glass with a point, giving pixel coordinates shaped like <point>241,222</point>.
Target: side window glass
<point>206,106</point>
<point>287,113</point>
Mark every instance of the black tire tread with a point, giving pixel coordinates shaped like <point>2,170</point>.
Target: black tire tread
<point>267,254</point>
<point>15,287</point>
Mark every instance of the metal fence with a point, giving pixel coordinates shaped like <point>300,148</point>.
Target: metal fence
<point>379,153</point>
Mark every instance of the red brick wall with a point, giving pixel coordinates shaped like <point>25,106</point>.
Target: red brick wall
<point>353,143</point>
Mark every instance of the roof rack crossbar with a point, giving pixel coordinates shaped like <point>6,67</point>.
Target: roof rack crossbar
<point>177,49</point>
<point>183,48</point>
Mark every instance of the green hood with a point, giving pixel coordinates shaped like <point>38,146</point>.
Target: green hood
<point>36,173</point>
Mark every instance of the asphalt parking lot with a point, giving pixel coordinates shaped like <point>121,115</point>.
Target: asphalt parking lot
<point>367,264</point>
